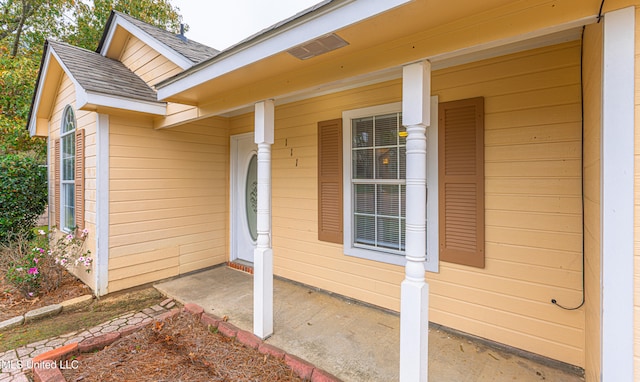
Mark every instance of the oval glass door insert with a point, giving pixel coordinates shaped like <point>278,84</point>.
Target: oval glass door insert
<point>251,197</point>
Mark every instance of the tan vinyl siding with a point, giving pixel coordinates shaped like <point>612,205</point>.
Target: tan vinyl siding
<point>147,63</point>
<point>153,67</point>
<point>532,168</point>
<point>592,74</point>
<point>168,199</point>
<point>86,120</point>
<point>636,352</point>
<point>533,204</point>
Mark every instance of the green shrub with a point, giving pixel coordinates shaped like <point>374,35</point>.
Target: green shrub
<point>23,194</point>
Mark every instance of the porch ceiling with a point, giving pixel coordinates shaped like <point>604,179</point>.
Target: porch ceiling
<point>380,45</point>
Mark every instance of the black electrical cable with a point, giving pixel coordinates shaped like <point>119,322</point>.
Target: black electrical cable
<point>600,11</point>
<point>553,300</point>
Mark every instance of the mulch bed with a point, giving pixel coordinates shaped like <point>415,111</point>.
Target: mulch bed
<point>13,303</point>
<point>179,348</point>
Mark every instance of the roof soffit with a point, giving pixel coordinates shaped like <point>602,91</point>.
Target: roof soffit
<point>429,30</point>
<point>318,21</point>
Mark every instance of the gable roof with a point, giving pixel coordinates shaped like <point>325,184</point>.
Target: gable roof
<point>96,73</point>
<point>183,52</point>
<point>194,51</point>
<point>100,82</point>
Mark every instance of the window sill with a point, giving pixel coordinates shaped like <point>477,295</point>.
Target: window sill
<point>388,258</point>
<point>373,255</point>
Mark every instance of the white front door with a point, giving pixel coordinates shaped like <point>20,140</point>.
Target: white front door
<point>244,192</point>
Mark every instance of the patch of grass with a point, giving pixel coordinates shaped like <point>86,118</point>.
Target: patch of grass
<point>97,313</point>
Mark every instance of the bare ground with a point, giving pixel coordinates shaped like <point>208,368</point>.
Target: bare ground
<point>178,349</point>
<point>13,303</point>
<point>102,310</point>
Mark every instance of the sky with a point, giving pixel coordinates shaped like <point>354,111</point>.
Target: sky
<point>222,23</point>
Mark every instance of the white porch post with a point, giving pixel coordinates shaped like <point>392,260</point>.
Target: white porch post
<point>617,195</point>
<point>263,254</point>
<point>414,299</point>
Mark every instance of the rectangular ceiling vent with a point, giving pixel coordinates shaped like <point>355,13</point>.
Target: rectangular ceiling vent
<point>318,46</point>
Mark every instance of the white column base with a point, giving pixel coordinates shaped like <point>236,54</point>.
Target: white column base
<point>414,331</point>
<point>263,292</point>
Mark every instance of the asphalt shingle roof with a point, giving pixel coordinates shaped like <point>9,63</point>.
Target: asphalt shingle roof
<point>193,51</point>
<point>100,74</point>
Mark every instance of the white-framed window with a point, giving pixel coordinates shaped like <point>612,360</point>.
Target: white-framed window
<point>67,169</point>
<point>374,183</point>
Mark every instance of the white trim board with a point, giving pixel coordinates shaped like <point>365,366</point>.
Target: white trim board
<point>36,103</point>
<point>90,99</point>
<point>102,205</point>
<point>617,196</point>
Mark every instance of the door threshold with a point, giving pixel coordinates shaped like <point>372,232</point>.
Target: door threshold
<point>241,265</point>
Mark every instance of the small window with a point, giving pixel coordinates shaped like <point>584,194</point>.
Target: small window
<point>67,164</point>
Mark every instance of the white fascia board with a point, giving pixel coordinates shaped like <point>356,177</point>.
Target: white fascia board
<point>280,41</point>
<point>116,102</point>
<point>36,103</point>
<point>173,56</point>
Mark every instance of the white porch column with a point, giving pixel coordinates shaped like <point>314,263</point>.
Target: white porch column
<point>414,299</point>
<point>617,195</point>
<point>263,254</point>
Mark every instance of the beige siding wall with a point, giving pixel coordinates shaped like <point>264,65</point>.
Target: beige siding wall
<point>87,121</point>
<point>152,67</point>
<point>147,63</point>
<point>592,74</point>
<point>533,204</point>
<point>168,199</point>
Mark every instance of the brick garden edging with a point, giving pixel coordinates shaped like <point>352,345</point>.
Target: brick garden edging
<point>45,366</point>
<point>47,311</point>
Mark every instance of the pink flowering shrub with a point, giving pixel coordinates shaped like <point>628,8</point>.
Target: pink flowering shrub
<point>41,269</point>
<point>67,250</point>
<point>23,271</point>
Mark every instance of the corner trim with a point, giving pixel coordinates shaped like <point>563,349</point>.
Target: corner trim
<point>102,205</point>
<point>617,196</point>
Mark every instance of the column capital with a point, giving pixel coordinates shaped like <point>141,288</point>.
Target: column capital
<point>416,91</point>
<point>264,121</point>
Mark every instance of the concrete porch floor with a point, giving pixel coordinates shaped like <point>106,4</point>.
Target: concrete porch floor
<point>352,341</point>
